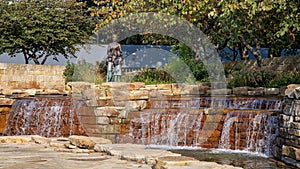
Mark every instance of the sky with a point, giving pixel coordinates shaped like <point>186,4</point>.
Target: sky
<point>134,55</point>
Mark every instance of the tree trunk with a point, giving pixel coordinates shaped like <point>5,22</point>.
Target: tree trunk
<point>243,52</point>
<point>256,53</point>
<point>25,56</point>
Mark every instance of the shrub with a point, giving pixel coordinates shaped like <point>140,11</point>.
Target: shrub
<point>85,71</point>
<point>259,77</point>
<point>284,79</point>
<point>153,76</point>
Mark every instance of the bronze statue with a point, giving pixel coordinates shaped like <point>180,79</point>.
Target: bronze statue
<point>114,61</point>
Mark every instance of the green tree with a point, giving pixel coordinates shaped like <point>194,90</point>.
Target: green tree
<point>42,29</point>
<point>246,25</point>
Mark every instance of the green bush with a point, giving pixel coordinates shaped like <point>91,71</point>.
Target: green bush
<point>85,71</point>
<point>284,79</point>
<point>259,77</point>
<point>153,76</point>
<point>196,68</point>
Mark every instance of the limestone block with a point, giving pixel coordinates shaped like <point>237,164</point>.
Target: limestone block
<point>109,111</point>
<point>259,91</point>
<point>100,111</point>
<point>114,120</point>
<point>51,92</point>
<point>203,89</point>
<point>293,86</point>
<point>138,94</point>
<point>204,84</point>
<point>87,142</point>
<point>15,139</point>
<point>40,140</point>
<point>182,89</point>
<point>115,85</point>
<point>272,91</point>
<point>161,93</point>
<point>58,144</point>
<point>294,132</point>
<point>82,142</point>
<point>6,101</point>
<point>120,95</point>
<point>7,92</point>
<point>123,114</point>
<point>100,93</point>
<point>163,162</point>
<point>150,87</point>
<point>297,92</point>
<point>136,85</point>
<point>153,93</point>
<point>164,86</point>
<point>240,90</point>
<point>136,105</point>
<point>133,115</point>
<point>221,91</point>
<point>292,152</point>
<point>295,125</point>
<point>30,92</point>
<point>103,120</point>
<point>293,91</point>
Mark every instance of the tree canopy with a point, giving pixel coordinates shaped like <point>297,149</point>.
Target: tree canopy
<point>243,26</point>
<point>42,29</point>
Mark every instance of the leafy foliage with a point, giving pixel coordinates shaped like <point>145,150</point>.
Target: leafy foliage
<point>41,29</point>
<point>240,25</point>
<point>284,79</point>
<point>241,76</point>
<point>196,67</point>
<point>153,76</point>
<point>85,71</point>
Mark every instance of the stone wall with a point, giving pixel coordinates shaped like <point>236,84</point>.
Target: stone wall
<point>115,104</point>
<point>31,79</point>
<point>288,142</point>
<point>22,80</point>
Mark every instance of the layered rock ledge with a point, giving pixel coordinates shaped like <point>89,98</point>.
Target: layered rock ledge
<point>34,151</point>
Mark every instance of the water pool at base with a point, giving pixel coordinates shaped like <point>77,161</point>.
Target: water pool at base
<point>235,158</point>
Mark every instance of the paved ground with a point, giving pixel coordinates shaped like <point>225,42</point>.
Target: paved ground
<point>36,152</point>
<point>35,156</point>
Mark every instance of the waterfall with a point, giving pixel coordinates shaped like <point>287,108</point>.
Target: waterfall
<point>49,117</point>
<point>167,127</point>
<point>237,123</point>
<point>250,131</point>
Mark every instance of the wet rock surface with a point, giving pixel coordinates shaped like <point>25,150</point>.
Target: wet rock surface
<point>52,153</point>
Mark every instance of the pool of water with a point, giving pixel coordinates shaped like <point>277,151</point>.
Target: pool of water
<point>236,158</point>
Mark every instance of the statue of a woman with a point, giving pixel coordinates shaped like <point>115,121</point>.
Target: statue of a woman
<point>114,61</point>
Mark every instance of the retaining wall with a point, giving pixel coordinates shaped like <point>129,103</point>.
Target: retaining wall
<point>19,78</point>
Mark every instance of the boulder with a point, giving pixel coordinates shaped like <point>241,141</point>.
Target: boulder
<point>6,101</point>
<point>15,139</point>
<point>40,140</point>
<point>167,161</point>
<point>272,91</point>
<point>240,90</point>
<point>87,142</point>
<point>293,91</point>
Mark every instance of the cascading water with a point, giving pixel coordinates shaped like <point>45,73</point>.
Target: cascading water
<point>48,117</point>
<point>250,131</point>
<point>246,123</point>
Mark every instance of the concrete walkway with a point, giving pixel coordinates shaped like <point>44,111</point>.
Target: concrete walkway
<point>57,153</point>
